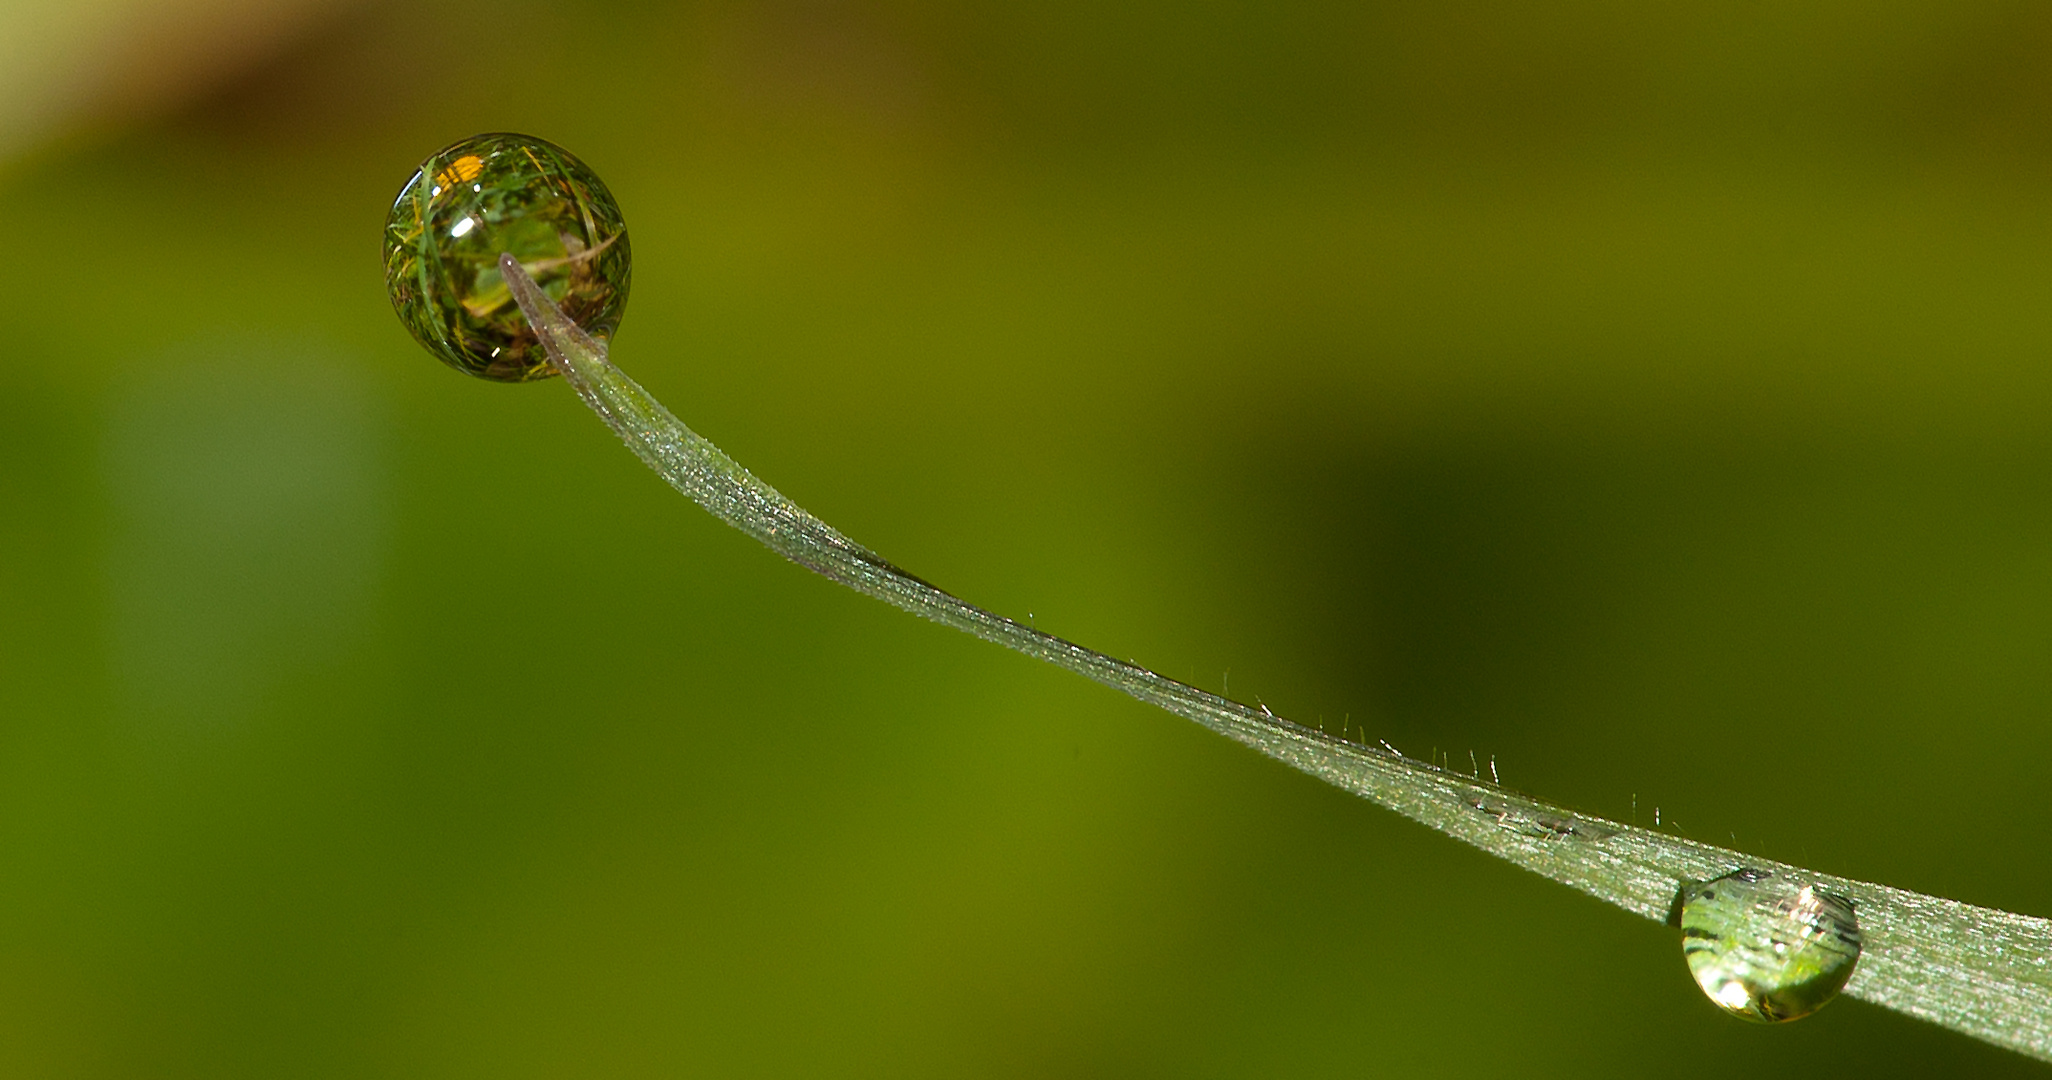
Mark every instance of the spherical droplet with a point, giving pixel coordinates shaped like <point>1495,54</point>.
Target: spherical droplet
<point>1765,947</point>
<point>489,194</point>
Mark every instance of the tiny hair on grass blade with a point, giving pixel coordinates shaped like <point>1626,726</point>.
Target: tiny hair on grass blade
<point>1976,970</point>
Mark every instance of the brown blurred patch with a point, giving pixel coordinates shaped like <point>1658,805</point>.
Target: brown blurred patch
<point>105,64</point>
<point>358,68</point>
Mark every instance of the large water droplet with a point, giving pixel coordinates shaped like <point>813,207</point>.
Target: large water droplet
<point>496,193</point>
<point>1766,947</point>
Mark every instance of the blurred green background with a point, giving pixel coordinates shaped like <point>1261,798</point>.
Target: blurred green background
<point>1654,399</point>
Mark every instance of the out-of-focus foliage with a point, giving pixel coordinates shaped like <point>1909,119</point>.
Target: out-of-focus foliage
<point>97,63</point>
<point>1655,400</point>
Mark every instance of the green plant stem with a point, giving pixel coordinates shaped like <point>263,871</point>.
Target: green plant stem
<point>1977,970</point>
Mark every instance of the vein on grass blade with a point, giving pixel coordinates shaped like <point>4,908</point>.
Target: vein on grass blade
<point>1976,970</point>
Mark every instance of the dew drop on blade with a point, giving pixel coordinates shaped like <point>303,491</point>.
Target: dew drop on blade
<point>1766,947</point>
<point>488,194</point>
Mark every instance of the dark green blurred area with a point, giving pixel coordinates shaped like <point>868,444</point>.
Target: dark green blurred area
<point>1652,399</point>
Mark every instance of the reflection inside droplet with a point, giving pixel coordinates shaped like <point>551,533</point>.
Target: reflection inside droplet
<point>503,194</point>
<point>1765,947</point>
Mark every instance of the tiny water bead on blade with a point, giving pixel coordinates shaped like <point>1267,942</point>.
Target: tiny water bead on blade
<point>1765,947</point>
<point>516,194</point>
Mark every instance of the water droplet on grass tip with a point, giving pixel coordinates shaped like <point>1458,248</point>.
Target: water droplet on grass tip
<point>496,193</point>
<point>1764,947</point>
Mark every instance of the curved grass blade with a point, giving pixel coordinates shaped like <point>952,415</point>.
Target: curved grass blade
<point>1976,970</point>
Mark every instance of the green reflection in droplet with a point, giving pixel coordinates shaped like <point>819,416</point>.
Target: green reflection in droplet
<point>1765,947</point>
<point>496,193</point>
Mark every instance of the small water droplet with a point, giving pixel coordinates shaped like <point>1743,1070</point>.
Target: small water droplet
<point>489,194</point>
<point>1766,947</point>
